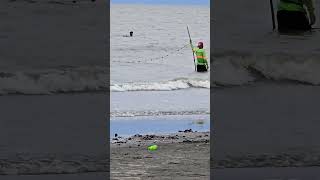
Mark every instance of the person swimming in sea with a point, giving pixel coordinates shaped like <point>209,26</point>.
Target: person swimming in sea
<point>131,34</point>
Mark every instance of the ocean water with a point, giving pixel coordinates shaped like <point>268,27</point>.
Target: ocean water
<point>152,73</point>
<point>49,48</point>
<point>246,50</point>
<point>268,103</point>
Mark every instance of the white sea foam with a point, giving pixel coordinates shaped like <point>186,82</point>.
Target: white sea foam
<point>175,84</point>
<point>156,113</point>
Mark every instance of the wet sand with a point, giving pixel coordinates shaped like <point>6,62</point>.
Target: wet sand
<point>81,176</point>
<point>183,155</point>
<point>285,173</point>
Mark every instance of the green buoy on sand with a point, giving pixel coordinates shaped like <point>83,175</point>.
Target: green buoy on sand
<point>153,148</point>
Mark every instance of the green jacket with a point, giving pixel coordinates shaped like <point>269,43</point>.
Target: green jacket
<point>295,5</point>
<point>200,55</point>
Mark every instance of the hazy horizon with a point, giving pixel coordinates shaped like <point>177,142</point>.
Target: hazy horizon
<point>169,2</point>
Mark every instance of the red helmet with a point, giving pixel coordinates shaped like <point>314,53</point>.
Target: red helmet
<point>200,45</point>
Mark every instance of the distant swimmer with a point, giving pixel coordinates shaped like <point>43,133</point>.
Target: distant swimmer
<point>131,34</point>
<point>202,63</point>
<point>293,16</point>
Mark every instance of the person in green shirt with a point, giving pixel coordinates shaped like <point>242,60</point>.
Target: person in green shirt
<point>292,15</point>
<point>201,63</point>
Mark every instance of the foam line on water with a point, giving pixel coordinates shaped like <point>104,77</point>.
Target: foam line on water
<point>156,113</point>
<point>176,84</point>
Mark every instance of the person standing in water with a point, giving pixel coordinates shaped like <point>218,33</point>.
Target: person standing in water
<point>202,63</point>
<point>292,15</point>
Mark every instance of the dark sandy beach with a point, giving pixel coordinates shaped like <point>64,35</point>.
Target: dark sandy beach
<point>183,155</point>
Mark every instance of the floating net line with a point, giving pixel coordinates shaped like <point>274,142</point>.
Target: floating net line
<point>155,59</point>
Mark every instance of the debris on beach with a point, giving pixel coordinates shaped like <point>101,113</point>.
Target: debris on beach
<point>185,136</point>
<point>137,135</point>
<point>119,140</point>
<point>148,137</point>
<point>187,130</point>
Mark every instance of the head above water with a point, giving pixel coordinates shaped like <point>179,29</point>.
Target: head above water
<point>131,33</point>
<point>200,45</point>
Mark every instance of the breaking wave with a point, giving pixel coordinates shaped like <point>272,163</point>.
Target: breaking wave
<point>229,68</point>
<point>241,68</point>
<point>176,84</point>
<point>81,79</point>
<point>51,81</point>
